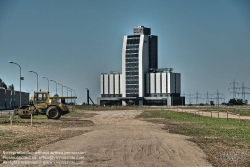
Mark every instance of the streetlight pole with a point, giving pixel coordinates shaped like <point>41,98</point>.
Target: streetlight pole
<point>71,94</point>
<point>48,81</point>
<point>67,93</point>
<point>65,87</point>
<point>87,96</point>
<point>74,92</point>
<point>56,84</point>
<point>75,96</point>
<point>62,88</point>
<point>36,79</point>
<point>21,78</point>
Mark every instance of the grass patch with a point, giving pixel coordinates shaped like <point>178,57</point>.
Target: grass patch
<point>213,135</point>
<point>23,137</point>
<point>235,110</point>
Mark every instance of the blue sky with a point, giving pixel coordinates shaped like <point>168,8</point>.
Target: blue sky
<point>72,42</point>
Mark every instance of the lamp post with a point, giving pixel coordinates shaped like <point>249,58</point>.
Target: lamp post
<point>36,79</point>
<point>48,81</point>
<point>67,93</point>
<point>56,84</point>
<point>75,96</point>
<point>87,96</point>
<point>71,94</point>
<point>62,88</point>
<point>21,78</point>
<point>74,92</point>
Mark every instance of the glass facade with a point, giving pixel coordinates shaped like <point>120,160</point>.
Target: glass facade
<point>132,66</point>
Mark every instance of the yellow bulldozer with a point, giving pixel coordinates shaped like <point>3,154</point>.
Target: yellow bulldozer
<point>42,103</point>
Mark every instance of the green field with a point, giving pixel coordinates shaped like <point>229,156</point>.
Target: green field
<point>214,136</point>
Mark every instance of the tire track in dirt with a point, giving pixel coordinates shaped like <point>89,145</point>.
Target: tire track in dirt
<point>118,139</point>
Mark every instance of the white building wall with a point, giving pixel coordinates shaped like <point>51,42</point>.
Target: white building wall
<point>106,83</point>
<point>158,82</point>
<point>152,82</point>
<point>111,83</point>
<point>101,79</point>
<point>168,83</point>
<point>123,85</point>
<point>164,82</point>
<point>116,84</point>
<point>169,101</point>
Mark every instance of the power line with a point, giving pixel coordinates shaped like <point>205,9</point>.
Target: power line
<point>207,97</point>
<point>189,98</point>
<point>234,88</point>
<point>218,97</point>
<point>197,97</point>
<point>243,92</point>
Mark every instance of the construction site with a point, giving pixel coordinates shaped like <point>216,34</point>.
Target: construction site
<point>130,136</point>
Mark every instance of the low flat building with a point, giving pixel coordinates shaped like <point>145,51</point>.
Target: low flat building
<point>10,99</point>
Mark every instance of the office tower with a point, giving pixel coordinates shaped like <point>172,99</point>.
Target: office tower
<point>141,82</point>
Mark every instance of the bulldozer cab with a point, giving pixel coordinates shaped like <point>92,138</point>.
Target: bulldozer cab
<point>40,98</point>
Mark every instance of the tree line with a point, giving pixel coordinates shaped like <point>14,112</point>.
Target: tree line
<point>3,85</point>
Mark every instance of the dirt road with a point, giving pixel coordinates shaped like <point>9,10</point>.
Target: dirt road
<point>118,139</point>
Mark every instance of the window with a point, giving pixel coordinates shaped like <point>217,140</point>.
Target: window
<point>132,87</point>
<point>40,98</point>
<point>132,69</point>
<point>132,73</point>
<point>132,60</point>
<point>128,64</point>
<point>129,56</point>
<point>132,51</point>
<point>132,46</point>
<point>132,40</point>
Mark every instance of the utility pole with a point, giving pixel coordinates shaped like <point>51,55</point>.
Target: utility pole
<point>197,97</point>
<point>189,98</point>
<point>234,88</point>
<point>243,92</point>
<point>218,97</point>
<point>88,97</point>
<point>207,97</point>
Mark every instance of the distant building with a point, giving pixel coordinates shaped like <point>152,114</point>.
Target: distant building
<point>11,99</point>
<point>111,84</point>
<point>141,82</point>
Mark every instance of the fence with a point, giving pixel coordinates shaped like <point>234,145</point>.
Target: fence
<point>214,113</point>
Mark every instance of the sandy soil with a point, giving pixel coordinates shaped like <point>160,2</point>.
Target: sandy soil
<point>118,139</point>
